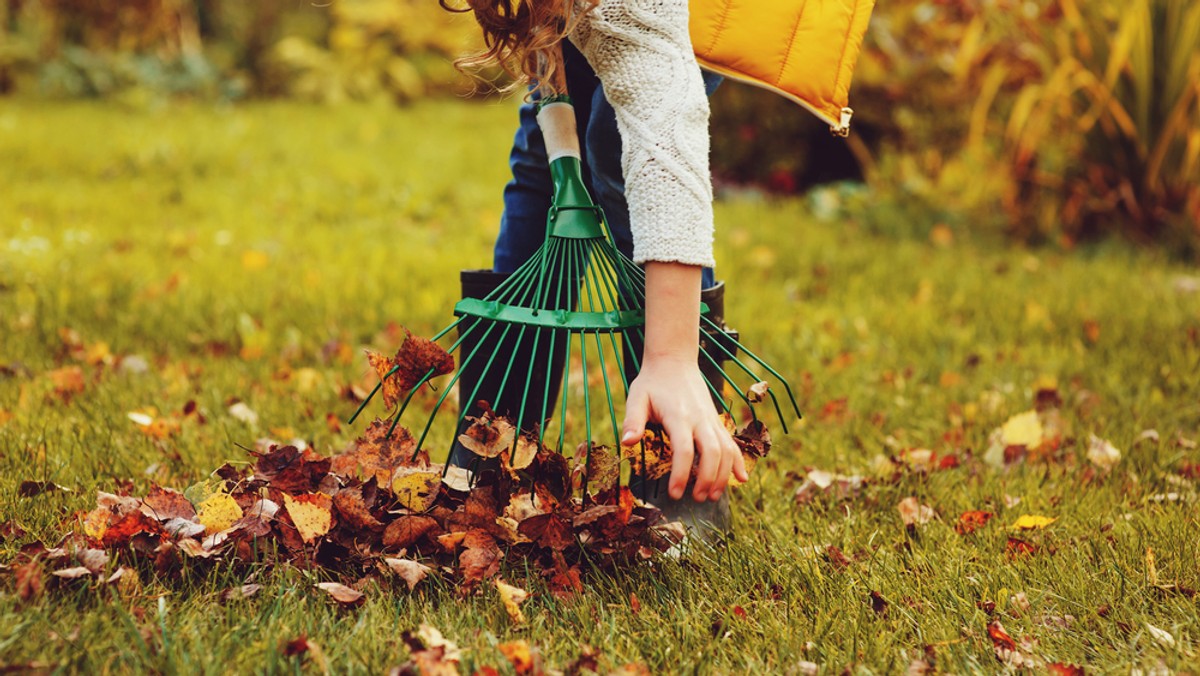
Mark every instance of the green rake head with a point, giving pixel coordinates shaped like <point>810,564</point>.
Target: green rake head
<point>580,299</point>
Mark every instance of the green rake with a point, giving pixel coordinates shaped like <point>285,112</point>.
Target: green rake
<point>578,296</point>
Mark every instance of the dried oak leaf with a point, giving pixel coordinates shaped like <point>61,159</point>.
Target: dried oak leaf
<point>290,469</point>
<point>488,435</point>
<point>122,528</point>
<point>375,454</point>
<point>165,504</point>
<point>431,653</point>
<point>548,530</point>
<point>413,361</point>
<point>345,596</point>
<point>29,580</point>
<point>757,392</point>
<point>971,521</point>
<point>405,531</point>
<point>480,558</point>
<point>596,465</point>
<point>412,572</point>
<point>311,513</point>
<point>913,513</point>
<point>354,510</point>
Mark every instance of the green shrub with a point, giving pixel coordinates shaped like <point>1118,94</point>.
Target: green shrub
<point>1109,139</point>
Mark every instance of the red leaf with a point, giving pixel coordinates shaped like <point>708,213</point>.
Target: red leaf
<point>972,521</point>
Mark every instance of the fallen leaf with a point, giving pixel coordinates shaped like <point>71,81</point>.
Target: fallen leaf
<point>1101,453</point>
<point>28,489</point>
<point>240,411</point>
<point>512,597</point>
<point>519,654</point>
<point>67,381</point>
<point>1016,547</point>
<point>378,454</point>
<point>913,513</point>
<point>218,512</point>
<point>488,435</point>
<point>971,521</point>
<point>405,531</point>
<point>757,392</point>
<point>416,358</point>
<point>243,592</point>
<point>72,573</point>
<point>417,489</point>
<point>431,653</point>
<point>28,577</point>
<point>412,572</point>
<point>878,604</point>
<point>345,596</point>
<point>1032,522</point>
<point>1163,637</point>
<point>311,513</point>
<point>1061,669</point>
<point>165,504</point>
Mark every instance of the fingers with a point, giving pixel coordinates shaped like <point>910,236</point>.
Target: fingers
<point>710,463</point>
<point>637,411</point>
<point>681,463</point>
<point>728,453</point>
<point>739,466</point>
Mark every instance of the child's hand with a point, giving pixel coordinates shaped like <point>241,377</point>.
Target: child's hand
<point>671,391</point>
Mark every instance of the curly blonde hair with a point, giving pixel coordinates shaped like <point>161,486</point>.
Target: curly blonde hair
<point>523,38</point>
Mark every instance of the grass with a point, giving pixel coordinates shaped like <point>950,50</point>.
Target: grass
<point>235,249</point>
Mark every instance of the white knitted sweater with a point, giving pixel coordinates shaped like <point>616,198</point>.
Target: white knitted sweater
<point>642,53</point>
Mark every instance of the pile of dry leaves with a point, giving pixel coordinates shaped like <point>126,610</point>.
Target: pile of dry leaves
<point>382,505</point>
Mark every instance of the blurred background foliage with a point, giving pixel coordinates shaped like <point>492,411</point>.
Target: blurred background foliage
<point>1050,121</point>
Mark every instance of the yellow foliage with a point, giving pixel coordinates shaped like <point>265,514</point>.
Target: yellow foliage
<point>1023,429</point>
<point>416,489</point>
<point>512,597</point>
<point>311,513</point>
<point>1033,521</point>
<point>218,512</point>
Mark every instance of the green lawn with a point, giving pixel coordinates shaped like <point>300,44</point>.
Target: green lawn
<point>234,249</point>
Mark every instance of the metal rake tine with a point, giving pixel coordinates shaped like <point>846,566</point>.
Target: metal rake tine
<point>786,385</point>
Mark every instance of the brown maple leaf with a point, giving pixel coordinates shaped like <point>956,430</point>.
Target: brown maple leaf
<point>165,504</point>
<point>480,558</point>
<point>416,358</point>
<point>375,454</point>
<point>407,530</point>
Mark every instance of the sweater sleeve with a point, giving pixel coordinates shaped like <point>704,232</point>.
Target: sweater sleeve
<point>642,53</point>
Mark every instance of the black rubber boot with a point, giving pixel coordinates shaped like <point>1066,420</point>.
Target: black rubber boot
<point>479,382</point>
<point>717,344</point>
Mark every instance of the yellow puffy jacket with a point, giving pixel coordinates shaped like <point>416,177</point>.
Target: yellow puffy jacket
<point>802,49</point>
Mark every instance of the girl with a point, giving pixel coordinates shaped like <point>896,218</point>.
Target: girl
<point>642,111</point>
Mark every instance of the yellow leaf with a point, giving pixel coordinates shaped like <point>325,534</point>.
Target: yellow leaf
<point>95,523</point>
<point>1033,521</point>
<point>312,513</point>
<point>218,512</point>
<point>512,597</point>
<point>519,654</point>
<point>416,488</point>
<point>1023,429</point>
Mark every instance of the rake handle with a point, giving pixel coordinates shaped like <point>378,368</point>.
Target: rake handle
<point>557,122</point>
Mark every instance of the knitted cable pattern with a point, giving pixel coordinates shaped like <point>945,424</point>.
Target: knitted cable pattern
<point>642,53</point>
